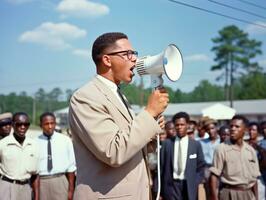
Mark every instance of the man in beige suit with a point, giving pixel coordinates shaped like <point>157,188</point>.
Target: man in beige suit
<point>109,140</point>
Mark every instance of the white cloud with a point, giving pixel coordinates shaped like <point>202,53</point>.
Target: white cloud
<point>17,2</point>
<point>82,53</point>
<point>197,58</point>
<point>81,8</point>
<point>256,30</point>
<point>55,36</point>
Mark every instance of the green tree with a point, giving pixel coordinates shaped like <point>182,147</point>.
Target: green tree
<point>234,52</point>
<point>251,86</point>
<point>205,91</point>
<point>55,94</point>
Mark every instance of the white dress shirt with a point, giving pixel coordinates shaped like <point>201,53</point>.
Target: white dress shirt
<point>184,146</point>
<point>63,157</point>
<point>18,161</point>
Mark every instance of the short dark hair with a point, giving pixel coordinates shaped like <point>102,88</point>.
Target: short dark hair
<point>181,115</point>
<point>253,124</point>
<point>241,117</point>
<point>46,114</point>
<point>222,129</point>
<point>19,113</point>
<point>104,41</point>
<point>168,122</point>
<point>193,122</point>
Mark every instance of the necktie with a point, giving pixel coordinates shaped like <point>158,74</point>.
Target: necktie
<point>124,101</point>
<point>179,164</point>
<point>49,153</point>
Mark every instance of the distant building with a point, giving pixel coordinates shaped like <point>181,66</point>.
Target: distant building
<point>254,110</point>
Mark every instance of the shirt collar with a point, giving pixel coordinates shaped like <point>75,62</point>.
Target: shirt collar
<point>236,147</point>
<point>181,139</point>
<point>11,140</point>
<point>107,82</point>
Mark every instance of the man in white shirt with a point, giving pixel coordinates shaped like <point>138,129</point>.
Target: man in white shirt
<point>57,162</point>
<point>110,140</point>
<point>19,163</point>
<point>182,163</point>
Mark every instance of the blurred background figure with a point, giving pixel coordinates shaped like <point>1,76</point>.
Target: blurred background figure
<point>208,147</point>
<point>224,133</point>
<point>192,129</point>
<point>5,124</point>
<point>262,143</point>
<point>253,132</point>
<point>201,130</point>
<point>170,129</point>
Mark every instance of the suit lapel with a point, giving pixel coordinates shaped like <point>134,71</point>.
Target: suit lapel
<point>111,98</point>
<point>172,151</point>
<point>189,152</point>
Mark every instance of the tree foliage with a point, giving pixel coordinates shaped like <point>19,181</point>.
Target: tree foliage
<point>234,54</point>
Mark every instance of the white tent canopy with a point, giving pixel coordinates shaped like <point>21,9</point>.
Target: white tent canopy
<point>219,112</point>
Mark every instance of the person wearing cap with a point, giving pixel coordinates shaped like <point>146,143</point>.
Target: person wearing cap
<point>5,124</point>
<point>19,163</point>
<point>208,147</point>
<point>57,164</point>
<point>235,163</point>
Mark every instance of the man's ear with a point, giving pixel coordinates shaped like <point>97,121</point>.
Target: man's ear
<point>106,60</point>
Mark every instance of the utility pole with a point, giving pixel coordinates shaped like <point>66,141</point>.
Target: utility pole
<point>33,110</point>
<point>231,88</point>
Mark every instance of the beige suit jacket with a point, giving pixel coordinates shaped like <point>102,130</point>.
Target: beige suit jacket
<point>109,145</point>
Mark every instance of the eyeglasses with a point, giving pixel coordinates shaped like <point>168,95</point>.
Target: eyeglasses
<point>131,55</point>
<point>26,124</point>
<point>5,123</point>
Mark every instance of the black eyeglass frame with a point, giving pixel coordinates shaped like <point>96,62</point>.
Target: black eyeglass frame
<point>26,124</point>
<point>128,53</point>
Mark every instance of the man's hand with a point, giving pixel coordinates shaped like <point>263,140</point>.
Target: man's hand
<point>161,122</point>
<point>157,102</point>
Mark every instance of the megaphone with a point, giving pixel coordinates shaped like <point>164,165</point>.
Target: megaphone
<point>169,62</point>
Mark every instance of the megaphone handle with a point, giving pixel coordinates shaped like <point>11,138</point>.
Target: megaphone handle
<point>156,81</point>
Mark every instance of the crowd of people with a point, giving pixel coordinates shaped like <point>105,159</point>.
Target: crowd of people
<point>109,154</point>
<point>230,162</point>
<point>199,160</point>
<point>41,168</point>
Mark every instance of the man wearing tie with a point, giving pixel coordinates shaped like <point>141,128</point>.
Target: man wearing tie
<point>109,140</point>
<point>57,162</point>
<point>182,163</point>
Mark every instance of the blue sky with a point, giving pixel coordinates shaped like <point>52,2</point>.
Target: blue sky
<point>47,43</point>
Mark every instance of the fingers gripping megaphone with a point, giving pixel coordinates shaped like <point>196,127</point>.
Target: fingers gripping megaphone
<point>169,62</point>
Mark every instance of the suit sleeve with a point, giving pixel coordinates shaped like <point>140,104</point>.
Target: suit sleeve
<point>93,123</point>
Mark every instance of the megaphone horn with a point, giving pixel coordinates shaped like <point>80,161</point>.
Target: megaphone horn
<point>169,62</point>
